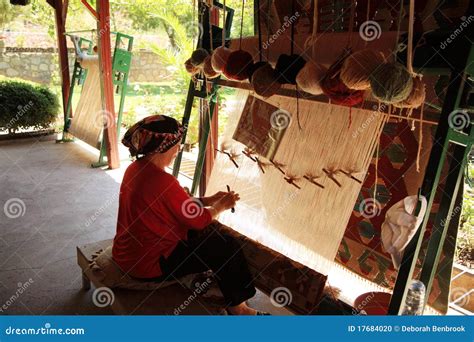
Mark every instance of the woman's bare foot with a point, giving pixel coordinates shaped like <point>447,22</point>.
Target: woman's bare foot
<point>241,309</point>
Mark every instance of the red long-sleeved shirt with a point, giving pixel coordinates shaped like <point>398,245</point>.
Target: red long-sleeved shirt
<point>155,213</point>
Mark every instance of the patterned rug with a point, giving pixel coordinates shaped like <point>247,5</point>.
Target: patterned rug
<point>361,249</point>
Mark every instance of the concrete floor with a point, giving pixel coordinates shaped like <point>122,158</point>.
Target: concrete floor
<point>62,203</point>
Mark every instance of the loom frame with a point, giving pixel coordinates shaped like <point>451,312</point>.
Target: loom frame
<point>456,64</point>
<point>121,62</point>
<point>198,90</point>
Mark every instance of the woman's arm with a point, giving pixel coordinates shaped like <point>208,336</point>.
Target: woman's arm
<point>210,200</point>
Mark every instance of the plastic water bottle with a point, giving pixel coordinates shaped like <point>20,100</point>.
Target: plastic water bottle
<point>415,299</point>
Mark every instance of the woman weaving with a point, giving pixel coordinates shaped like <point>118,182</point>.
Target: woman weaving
<point>158,236</point>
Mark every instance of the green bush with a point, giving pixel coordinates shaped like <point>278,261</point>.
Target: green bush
<point>23,106</point>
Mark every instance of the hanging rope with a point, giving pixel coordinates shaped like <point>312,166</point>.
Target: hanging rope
<point>292,51</point>
<point>242,23</point>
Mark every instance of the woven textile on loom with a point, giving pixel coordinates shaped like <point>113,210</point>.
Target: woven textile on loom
<point>361,249</point>
<point>304,224</point>
<point>87,123</point>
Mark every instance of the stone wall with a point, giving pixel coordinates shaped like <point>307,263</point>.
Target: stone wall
<point>39,65</point>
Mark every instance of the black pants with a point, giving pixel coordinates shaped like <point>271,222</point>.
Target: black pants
<point>211,249</point>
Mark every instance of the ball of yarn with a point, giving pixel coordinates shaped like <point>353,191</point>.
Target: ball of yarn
<point>265,81</point>
<point>238,65</point>
<point>391,83</point>
<point>190,68</point>
<point>254,68</point>
<point>417,95</point>
<point>356,69</point>
<point>198,57</point>
<point>288,66</point>
<point>219,58</point>
<point>208,70</point>
<point>310,76</point>
<point>336,90</point>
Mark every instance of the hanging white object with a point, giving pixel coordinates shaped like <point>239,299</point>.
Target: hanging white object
<point>400,226</point>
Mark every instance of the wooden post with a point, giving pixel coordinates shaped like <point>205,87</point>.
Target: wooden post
<point>60,13</point>
<point>107,89</point>
<point>214,127</point>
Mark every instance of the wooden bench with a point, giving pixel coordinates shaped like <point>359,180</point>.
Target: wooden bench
<point>170,300</point>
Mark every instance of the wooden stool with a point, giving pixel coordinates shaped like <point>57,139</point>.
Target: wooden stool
<point>170,300</point>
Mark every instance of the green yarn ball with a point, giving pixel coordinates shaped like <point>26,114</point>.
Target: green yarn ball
<point>391,83</point>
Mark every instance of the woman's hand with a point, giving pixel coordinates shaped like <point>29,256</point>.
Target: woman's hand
<point>225,201</point>
<point>209,201</point>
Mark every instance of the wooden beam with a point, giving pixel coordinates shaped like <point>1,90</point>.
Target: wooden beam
<point>369,103</point>
<point>62,51</point>
<point>107,89</point>
<point>90,9</point>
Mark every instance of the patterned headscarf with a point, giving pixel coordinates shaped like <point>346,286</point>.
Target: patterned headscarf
<point>156,133</point>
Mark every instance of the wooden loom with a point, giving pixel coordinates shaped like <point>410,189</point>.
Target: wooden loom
<point>110,75</point>
<point>90,120</point>
<point>251,175</point>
